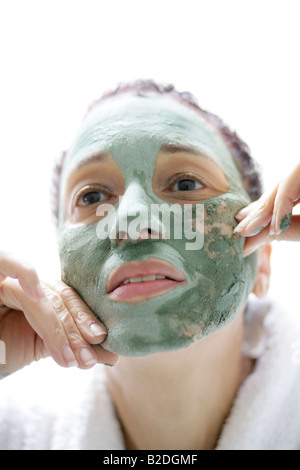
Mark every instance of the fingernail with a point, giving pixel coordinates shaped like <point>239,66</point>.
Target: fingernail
<point>114,364</point>
<point>241,226</point>
<point>250,250</point>
<point>273,229</point>
<point>238,229</point>
<point>36,293</point>
<point>69,356</point>
<point>87,357</point>
<point>274,233</point>
<point>242,213</point>
<point>97,329</point>
<point>40,292</point>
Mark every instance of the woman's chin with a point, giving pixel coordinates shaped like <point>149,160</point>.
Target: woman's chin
<point>131,345</point>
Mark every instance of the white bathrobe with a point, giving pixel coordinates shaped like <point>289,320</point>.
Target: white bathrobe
<point>45,406</point>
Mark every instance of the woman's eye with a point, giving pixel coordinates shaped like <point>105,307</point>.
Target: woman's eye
<point>92,197</point>
<point>186,185</point>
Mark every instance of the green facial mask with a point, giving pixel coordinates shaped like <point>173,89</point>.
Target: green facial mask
<point>133,129</point>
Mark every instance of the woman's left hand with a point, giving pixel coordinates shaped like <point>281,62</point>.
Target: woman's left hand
<point>270,217</point>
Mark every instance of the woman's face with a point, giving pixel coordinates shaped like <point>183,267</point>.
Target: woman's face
<point>154,291</point>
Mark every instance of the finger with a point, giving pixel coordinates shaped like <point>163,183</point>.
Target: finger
<point>43,319</point>
<point>24,272</point>
<point>88,324</point>
<point>245,211</point>
<point>105,357</point>
<point>259,216</point>
<point>82,350</point>
<point>287,195</point>
<point>253,243</point>
<point>291,234</point>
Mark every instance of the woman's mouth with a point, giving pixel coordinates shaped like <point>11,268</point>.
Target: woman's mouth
<point>140,280</point>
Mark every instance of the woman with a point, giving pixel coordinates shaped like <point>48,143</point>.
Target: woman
<point>136,293</point>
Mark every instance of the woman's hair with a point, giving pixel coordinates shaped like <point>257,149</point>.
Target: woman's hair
<point>247,165</point>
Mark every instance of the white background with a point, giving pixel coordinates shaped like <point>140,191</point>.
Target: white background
<point>240,59</point>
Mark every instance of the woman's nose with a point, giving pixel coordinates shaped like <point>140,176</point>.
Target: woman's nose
<point>134,220</point>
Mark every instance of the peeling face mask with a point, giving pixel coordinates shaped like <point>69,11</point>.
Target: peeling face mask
<point>207,287</point>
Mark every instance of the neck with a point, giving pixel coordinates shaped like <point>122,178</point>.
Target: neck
<point>180,399</point>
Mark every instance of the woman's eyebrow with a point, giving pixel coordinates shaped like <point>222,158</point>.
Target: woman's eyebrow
<point>186,148</point>
<point>98,157</point>
<point>176,148</point>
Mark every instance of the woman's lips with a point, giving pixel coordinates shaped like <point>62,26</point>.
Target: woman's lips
<point>144,285</point>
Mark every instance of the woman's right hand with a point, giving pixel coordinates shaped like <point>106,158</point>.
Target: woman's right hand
<point>271,216</point>
<point>38,320</point>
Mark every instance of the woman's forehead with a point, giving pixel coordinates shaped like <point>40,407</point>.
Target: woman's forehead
<point>130,120</point>
<point>127,104</point>
<point>137,116</point>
